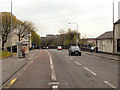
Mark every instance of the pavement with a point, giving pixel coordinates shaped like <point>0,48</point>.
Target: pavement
<point>104,55</point>
<point>12,65</point>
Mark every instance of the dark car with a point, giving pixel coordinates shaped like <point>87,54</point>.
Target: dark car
<point>74,50</point>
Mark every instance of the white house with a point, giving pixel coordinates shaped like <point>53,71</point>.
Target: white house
<point>110,41</point>
<point>105,42</point>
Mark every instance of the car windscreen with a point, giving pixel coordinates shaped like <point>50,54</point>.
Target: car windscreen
<point>75,48</point>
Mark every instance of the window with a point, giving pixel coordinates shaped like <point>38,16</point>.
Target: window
<point>26,39</point>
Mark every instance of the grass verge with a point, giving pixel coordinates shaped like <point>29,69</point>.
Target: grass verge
<point>5,54</point>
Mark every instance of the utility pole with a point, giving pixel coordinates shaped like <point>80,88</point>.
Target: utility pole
<point>11,30</point>
<point>113,31</point>
<point>1,30</point>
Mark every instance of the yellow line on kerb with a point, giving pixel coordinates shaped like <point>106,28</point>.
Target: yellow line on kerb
<point>11,83</point>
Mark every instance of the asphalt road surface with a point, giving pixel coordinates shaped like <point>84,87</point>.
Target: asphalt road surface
<point>55,68</point>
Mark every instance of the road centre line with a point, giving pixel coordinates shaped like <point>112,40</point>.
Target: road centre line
<point>109,84</point>
<point>53,75</point>
<point>90,71</point>
<point>77,63</point>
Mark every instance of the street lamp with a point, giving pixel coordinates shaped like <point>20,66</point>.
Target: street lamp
<point>11,30</point>
<point>77,32</point>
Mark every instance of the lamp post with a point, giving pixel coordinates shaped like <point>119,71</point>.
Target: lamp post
<point>11,30</point>
<point>77,33</point>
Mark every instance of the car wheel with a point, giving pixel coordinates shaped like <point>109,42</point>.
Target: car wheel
<point>80,54</point>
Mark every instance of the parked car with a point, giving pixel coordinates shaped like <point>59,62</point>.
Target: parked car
<point>59,47</point>
<point>74,50</point>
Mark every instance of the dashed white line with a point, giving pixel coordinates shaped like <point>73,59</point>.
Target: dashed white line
<point>90,71</point>
<point>70,58</point>
<point>109,84</point>
<point>77,63</point>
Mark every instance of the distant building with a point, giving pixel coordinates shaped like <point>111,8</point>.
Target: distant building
<point>91,40</point>
<point>8,42</point>
<point>15,39</point>
<point>105,42</point>
<point>50,36</point>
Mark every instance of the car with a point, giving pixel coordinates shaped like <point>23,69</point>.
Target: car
<point>59,47</point>
<point>74,50</point>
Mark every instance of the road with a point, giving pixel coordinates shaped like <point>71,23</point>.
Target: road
<point>56,68</point>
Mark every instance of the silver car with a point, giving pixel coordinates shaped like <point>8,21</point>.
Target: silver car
<point>74,50</point>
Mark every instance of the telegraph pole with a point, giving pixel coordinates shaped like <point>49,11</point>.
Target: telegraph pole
<point>11,30</point>
<point>113,31</point>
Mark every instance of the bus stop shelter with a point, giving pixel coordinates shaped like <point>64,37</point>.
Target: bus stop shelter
<point>22,49</point>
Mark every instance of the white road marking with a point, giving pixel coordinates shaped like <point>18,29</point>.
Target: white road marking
<point>66,56</point>
<point>90,71</point>
<point>77,63</point>
<point>111,85</point>
<point>55,87</point>
<point>113,60</point>
<point>53,76</point>
<point>70,58</point>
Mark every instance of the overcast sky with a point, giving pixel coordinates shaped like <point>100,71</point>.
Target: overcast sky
<point>94,17</point>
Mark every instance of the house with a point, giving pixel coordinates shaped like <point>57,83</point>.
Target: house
<point>110,41</point>
<point>117,36</point>
<point>105,42</point>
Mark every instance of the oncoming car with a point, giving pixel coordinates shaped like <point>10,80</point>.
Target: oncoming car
<point>74,50</point>
<point>59,47</point>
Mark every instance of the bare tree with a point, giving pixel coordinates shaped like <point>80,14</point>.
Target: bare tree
<point>24,29</point>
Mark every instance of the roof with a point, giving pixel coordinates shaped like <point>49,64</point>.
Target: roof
<point>106,35</point>
<point>117,22</point>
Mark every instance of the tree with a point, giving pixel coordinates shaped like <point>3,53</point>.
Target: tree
<point>35,38</point>
<point>23,29</point>
<point>6,26</point>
